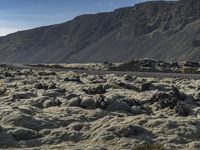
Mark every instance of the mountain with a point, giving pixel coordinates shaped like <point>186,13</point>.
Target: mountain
<point>168,30</point>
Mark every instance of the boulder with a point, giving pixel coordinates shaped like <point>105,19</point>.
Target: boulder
<point>51,92</point>
<point>100,103</point>
<point>51,103</point>
<point>2,91</point>
<point>182,110</point>
<point>23,95</point>
<point>87,102</point>
<point>106,86</point>
<point>167,99</point>
<point>74,102</point>
<point>73,79</point>
<point>92,90</point>
<point>41,86</point>
<point>135,110</point>
<point>128,130</point>
<point>129,78</point>
<point>147,86</point>
<point>24,134</point>
<point>118,105</point>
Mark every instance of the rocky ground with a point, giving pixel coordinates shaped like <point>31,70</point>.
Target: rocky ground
<point>67,110</point>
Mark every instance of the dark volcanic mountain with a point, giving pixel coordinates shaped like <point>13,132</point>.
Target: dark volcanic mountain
<point>159,29</point>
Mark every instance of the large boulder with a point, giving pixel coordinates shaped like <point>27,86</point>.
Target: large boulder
<point>74,102</point>
<point>87,102</point>
<point>51,103</point>
<point>116,103</point>
<point>135,110</point>
<point>24,134</point>
<point>96,89</point>
<point>167,99</point>
<point>23,95</point>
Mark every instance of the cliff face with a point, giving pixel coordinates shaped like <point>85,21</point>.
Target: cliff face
<point>167,30</point>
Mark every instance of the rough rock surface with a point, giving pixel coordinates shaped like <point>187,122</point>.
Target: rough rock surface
<point>166,30</point>
<point>36,113</point>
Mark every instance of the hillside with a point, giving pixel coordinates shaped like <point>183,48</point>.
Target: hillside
<point>164,30</point>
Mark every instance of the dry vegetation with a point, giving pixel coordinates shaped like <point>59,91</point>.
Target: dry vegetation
<point>67,110</point>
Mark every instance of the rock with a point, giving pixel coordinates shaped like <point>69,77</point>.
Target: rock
<point>106,86</point>
<point>41,86</point>
<point>135,110</point>
<point>83,75</point>
<point>131,102</point>
<point>118,105</point>
<point>51,92</point>
<point>95,79</point>
<point>74,102</point>
<point>129,78</point>
<point>98,89</point>
<point>8,74</point>
<point>41,93</point>
<point>2,92</point>
<point>37,102</point>
<point>24,134</point>
<point>87,102</point>
<point>127,130</point>
<point>111,98</point>
<point>51,103</point>
<point>23,95</point>
<point>129,86</point>
<point>70,96</point>
<point>46,73</point>
<point>164,99</point>
<point>182,110</point>
<point>76,126</point>
<point>197,97</point>
<point>100,103</point>
<point>73,79</point>
<point>147,86</point>
<point>52,86</point>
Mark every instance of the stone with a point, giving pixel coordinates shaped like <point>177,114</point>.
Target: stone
<point>51,103</point>
<point>147,86</point>
<point>51,92</point>
<point>135,110</point>
<point>129,78</point>
<point>24,134</point>
<point>118,105</point>
<point>74,102</point>
<point>98,89</point>
<point>87,103</point>
<point>165,100</point>
<point>111,98</point>
<point>127,130</point>
<point>23,95</point>
<point>106,86</point>
<point>2,91</point>
<point>182,110</point>
<point>52,86</point>
<point>41,86</point>
<point>73,79</point>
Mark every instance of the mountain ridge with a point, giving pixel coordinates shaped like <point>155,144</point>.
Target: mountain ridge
<point>154,29</point>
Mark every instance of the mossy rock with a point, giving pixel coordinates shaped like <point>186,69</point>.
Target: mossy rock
<point>149,147</point>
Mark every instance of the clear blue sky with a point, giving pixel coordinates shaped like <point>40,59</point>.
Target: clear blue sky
<point>18,15</point>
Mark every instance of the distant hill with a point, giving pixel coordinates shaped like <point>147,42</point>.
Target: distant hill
<point>168,30</point>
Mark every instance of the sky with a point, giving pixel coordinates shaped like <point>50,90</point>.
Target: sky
<point>16,15</point>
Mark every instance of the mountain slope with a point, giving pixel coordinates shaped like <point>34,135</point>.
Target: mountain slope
<point>164,30</point>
